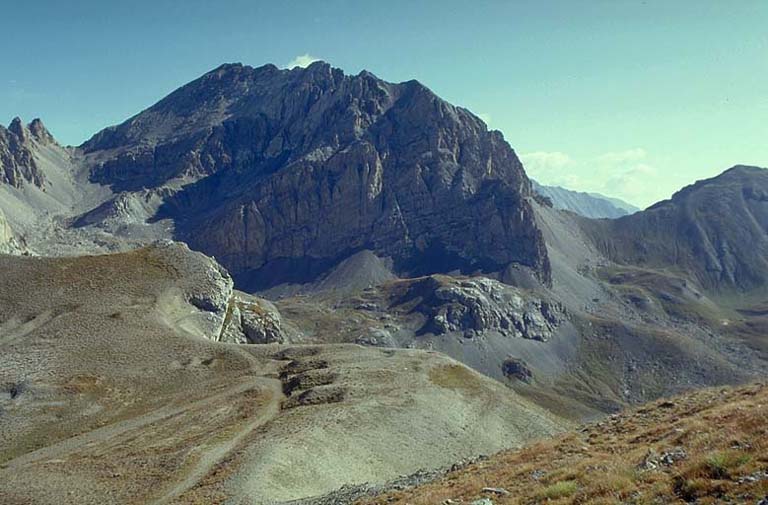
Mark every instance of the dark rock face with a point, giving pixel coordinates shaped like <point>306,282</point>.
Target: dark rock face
<point>294,169</point>
<point>715,231</point>
<point>17,162</point>
<point>515,368</point>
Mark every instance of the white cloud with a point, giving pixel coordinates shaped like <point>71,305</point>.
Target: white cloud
<point>636,184</point>
<point>628,156</point>
<point>623,174</point>
<point>554,168</point>
<point>303,61</point>
<point>543,165</point>
<point>546,161</point>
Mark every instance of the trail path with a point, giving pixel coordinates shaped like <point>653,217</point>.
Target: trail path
<point>209,455</point>
<point>213,454</point>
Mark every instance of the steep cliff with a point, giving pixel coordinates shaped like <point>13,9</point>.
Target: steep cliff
<point>17,143</point>
<point>295,170</point>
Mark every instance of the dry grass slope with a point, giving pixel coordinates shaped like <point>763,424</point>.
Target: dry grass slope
<point>707,447</point>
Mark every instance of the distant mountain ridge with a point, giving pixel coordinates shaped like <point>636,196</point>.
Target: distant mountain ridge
<point>592,205</point>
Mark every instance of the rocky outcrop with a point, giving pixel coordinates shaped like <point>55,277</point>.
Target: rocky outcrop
<point>714,231</point>
<point>295,170</point>
<point>17,146</point>
<point>477,305</point>
<point>377,337</point>
<point>253,320</point>
<point>207,290</point>
<point>128,207</point>
<point>516,368</point>
<point>40,133</point>
<point>9,243</point>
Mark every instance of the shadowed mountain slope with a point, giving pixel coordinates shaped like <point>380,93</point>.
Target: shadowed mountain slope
<point>297,169</point>
<point>714,231</point>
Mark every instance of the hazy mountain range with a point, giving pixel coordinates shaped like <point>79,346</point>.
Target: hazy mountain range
<point>592,205</point>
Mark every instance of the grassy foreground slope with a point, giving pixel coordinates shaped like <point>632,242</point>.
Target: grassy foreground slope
<point>709,446</point>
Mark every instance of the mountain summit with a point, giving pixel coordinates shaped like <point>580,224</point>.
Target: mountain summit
<point>715,231</point>
<point>296,169</point>
<point>17,144</point>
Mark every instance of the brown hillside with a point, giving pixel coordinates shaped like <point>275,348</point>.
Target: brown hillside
<point>710,446</point>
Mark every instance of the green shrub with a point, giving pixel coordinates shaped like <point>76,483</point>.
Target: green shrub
<point>560,489</point>
<point>720,464</point>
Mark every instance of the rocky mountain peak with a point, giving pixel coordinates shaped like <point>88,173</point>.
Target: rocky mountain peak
<point>40,132</point>
<point>701,230</point>
<point>365,74</point>
<point>738,175</point>
<point>310,165</point>
<point>744,170</point>
<point>17,128</point>
<point>18,144</point>
<point>318,68</point>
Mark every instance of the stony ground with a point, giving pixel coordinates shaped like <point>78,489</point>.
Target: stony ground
<point>110,392</point>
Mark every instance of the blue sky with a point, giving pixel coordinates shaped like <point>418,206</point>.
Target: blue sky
<point>629,98</point>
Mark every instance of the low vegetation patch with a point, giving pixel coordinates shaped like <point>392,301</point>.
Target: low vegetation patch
<point>560,489</point>
<point>456,377</point>
<point>720,465</point>
<point>707,447</point>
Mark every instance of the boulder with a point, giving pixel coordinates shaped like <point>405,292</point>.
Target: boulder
<point>516,368</point>
<point>377,337</point>
<point>253,320</point>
